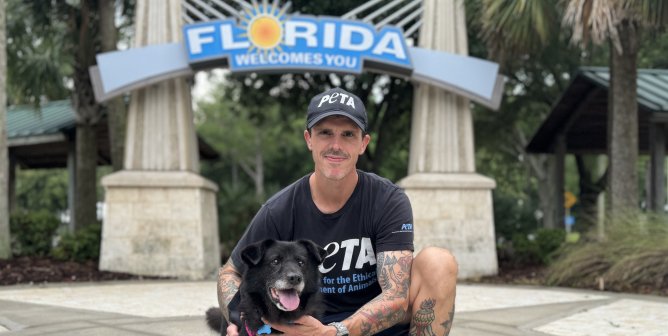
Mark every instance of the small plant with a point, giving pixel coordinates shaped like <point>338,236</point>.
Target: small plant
<point>32,232</point>
<point>82,245</point>
<point>548,242</point>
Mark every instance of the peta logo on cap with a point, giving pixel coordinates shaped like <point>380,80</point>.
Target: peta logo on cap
<point>337,97</point>
<point>336,101</point>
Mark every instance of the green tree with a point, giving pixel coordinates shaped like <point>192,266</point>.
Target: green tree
<point>5,247</point>
<point>42,189</point>
<point>249,131</point>
<point>620,23</point>
<point>514,26</point>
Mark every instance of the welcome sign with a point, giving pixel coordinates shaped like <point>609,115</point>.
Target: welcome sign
<point>263,38</point>
<point>267,39</point>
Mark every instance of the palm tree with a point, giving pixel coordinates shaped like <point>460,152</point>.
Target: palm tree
<point>5,250</point>
<point>621,22</point>
<point>512,26</point>
<point>60,49</point>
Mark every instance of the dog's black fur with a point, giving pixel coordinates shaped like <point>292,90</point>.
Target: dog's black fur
<point>271,264</point>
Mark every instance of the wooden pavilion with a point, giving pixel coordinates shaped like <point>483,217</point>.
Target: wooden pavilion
<point>577,124</point>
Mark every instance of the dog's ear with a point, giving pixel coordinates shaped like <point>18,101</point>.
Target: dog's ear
<point>318,253</point>
<point>252,255</point>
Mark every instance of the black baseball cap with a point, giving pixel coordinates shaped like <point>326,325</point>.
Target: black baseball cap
<point>336,101</point>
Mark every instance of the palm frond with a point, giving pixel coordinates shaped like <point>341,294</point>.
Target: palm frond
<point>517,26</point>
<point>594,20</point>
<point>597,20</point>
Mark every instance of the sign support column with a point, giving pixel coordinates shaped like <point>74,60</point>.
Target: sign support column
<point>452,205</point>
<point>161,215</point>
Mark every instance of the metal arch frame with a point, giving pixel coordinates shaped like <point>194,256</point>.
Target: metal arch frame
<point>379,13</point>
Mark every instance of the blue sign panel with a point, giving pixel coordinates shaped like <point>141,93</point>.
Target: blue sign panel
<point>267,42</point>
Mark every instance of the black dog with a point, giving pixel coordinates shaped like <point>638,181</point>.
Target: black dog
<point>280,284</point>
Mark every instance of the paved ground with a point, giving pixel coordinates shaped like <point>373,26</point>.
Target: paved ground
<point>177,308</point>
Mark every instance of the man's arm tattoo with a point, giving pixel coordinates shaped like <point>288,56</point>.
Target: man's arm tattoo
<point>391,305</point>
<point>229,281</point>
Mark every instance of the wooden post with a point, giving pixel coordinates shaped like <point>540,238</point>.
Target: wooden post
<point>11,192</point>
<point>559,179</point>
<point>71,183</point>
<point>656,193</point>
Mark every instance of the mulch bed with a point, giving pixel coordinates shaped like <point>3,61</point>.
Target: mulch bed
<point>39,270</point>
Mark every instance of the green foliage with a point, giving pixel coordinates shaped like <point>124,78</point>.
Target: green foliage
<point>513,216</point>
<point>536,248</point>
<point>42,189</point>
<point>36,65</point>
<point>32,232</point>
<point>632,255</point>
<point>549,241</point>
<point>82,245</point>
<point>237,206</point>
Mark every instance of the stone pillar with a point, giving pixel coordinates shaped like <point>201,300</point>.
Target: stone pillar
<point>161,215</point>
<point>452,205</point>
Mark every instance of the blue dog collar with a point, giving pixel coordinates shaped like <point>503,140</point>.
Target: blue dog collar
<point>265,329</point>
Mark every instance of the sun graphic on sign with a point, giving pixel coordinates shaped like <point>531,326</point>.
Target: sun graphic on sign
<point>264,26</point>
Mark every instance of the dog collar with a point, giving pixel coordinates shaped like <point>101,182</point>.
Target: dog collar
<point>265,329</point>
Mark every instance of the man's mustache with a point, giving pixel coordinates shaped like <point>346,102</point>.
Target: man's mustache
<point>336,153</point>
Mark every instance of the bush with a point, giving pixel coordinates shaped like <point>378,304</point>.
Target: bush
<point>534,249</point>
<point>549,241</point>
<point>32,232</point>
<point>82,245</point>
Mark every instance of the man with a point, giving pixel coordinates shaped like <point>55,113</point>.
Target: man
<point>371,282</point>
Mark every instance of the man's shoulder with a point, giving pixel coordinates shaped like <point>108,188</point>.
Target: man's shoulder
<point>377,181</point>
<point>287,194</point>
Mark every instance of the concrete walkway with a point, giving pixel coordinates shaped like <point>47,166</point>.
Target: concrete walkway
<point>177,308</point>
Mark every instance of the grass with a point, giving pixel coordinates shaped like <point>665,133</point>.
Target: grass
<point>632,256</point>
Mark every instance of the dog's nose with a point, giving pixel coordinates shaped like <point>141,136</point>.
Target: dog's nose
<point>294,278</point>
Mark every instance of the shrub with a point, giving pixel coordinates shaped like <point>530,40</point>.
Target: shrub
<point>549,241</point>
<point>32,232</point>
<point>536,248</point>
<point>82,245</point>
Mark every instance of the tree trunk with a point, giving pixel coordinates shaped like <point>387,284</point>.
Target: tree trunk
<point>116,110</point>
<point>590,189</point>
<point>86,186</point>
<point>623,123</point>
<point>543,169</point>
<point>87,116</point>
<point>5,247</point>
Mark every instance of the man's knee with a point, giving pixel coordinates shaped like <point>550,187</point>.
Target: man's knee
<point>435,262</point>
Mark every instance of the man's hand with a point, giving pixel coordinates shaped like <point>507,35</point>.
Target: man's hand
<point>232,330</point>
<point>305,326</point>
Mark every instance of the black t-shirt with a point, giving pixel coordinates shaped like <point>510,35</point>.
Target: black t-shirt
<point>377,218</point>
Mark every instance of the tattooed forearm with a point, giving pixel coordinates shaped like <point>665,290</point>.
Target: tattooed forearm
<point>391,306</point>
<point>228,285</point>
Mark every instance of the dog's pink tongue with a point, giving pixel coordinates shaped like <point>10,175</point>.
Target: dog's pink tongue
<point>289,299</point>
